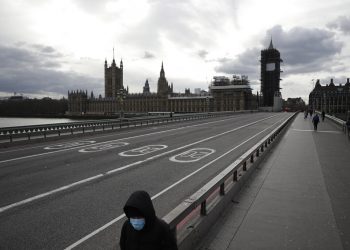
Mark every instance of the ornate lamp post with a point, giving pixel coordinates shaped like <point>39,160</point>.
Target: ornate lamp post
<point>121,95</point>
<point>313,96</point>
<point>207,103</point>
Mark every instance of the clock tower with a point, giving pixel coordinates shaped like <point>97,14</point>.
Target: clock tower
<point>270,74</point>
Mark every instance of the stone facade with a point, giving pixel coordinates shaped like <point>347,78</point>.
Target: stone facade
<point>224,95</point>
<point>333,99</point>
<point>113,79</point>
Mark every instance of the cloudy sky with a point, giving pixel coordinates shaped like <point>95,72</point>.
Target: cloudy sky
<point>48,47</point>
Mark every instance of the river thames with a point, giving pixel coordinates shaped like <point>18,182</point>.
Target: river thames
<point>27,121</point>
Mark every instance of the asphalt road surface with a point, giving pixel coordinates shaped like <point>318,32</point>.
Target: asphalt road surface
<point>70,193</point>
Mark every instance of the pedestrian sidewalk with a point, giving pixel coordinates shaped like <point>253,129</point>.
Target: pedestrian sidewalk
<point>298,197</point>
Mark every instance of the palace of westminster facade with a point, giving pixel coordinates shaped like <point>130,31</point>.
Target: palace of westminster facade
<point>224,95</point>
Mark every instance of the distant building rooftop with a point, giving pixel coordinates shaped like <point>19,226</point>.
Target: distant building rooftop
<point>191,97</point>
<point>17,98</point>
<point>223,82</point>
<point>231,87</point>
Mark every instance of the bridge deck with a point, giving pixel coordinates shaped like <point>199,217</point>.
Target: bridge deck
<point>298,198</point>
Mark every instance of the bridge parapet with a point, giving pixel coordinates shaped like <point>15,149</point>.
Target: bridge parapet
<point>336,120</point>
<point>9,134</point>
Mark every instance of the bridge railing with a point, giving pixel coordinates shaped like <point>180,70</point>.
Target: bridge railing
<point>43,131</point>
<point>194,216</point>
<point>336,120</point>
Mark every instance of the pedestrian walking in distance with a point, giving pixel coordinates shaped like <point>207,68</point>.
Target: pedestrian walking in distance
<point>323,115</point>
<point>144,230</point>
<point>315,121</point>
<point>311,112</point>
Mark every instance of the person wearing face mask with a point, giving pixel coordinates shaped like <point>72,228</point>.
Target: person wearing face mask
<point>143,229</point>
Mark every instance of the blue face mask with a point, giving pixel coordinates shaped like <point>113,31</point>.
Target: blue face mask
<point>138,224</point>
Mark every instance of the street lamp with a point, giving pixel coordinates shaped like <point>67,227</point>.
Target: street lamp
<point>313,96</point>
<point>207,103</point>
<point>121,95</point>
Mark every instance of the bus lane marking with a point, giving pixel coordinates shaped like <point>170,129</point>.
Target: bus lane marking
<point>143,150</point>
<point>68,145</point>
<point>131,137</point>
<point>103,147</point>
<point>192,155</point>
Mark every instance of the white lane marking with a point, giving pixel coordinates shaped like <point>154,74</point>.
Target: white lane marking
<point>103,147</point>
<point>192,155</point>
<point>2,209</point>
<point>16,204</point>
<point>85,238</point>
<point>318,131</point>
<point>96,231</point>
<point>68,145</point>
<point>123,133</point>
<point>143,150</point>
<point>91,138</point>
<point>126,138</point>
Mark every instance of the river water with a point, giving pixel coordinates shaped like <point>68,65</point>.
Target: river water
<point>18,121</point>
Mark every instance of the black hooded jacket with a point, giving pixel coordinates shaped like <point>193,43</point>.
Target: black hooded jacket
<point>156,234</point>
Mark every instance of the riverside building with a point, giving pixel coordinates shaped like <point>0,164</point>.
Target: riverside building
<point>333,99</point>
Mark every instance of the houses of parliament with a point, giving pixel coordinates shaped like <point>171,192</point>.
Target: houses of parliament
<point>224,95</point>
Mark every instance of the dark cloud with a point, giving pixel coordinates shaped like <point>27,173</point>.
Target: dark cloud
<point>202,53</point>
<point>27,71</point>
<point>342,23</point>
<point>148,55</point>
<point>303,46</point>
<point>44,49</point>
<point>44,80</point>
<point>246,63</point>
<point>303,50</point>
<point>29,55</point>
<point>19,57</point>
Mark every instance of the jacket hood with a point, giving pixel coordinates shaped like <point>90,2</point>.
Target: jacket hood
<point>141,201</point>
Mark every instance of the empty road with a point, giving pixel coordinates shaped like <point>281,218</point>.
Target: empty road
<point>70,193</point>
